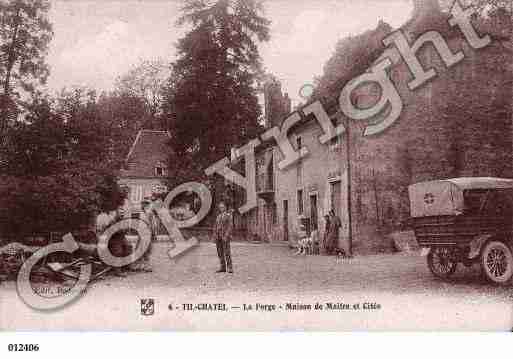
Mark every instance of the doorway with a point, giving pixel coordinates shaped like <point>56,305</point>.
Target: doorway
<point>313,213</point>
<point>336,194</point>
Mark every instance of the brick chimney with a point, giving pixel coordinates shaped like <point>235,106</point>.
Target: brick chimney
<point>422,8</point>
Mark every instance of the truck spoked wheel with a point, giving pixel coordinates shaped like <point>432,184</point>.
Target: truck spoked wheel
<point>497,262</point>
<point>441,262</point>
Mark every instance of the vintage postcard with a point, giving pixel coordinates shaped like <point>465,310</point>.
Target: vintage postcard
<point>248,165</point>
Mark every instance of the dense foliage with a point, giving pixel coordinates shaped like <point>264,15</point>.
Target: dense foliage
<point>353,55</point>
<point>59,168</point>
<point>25,33</point>
<point>143,87</point>
<point>211,99</point>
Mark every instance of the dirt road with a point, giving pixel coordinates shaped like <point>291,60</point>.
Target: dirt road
<point>382,292</point>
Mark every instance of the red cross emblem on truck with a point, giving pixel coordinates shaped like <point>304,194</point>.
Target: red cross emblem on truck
<point>429,198</point>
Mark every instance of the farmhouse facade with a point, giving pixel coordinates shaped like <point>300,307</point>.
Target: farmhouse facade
<point>146,169</point>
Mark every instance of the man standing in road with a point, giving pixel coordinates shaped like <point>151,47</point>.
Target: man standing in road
<point>223,235</point>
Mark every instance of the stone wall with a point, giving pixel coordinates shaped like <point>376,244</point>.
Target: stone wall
<point>450,127</point>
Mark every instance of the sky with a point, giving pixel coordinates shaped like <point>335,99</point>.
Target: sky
<point>98,40</point>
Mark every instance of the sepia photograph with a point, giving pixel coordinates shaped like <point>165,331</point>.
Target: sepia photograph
<point>250,165</point>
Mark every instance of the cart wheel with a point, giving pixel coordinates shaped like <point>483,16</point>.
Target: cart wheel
<point>497,262</point>
<point>441,262</point>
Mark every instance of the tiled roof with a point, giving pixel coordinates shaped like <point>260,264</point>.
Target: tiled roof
<point>150,149</point>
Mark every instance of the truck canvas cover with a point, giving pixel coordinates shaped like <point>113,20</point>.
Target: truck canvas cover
<point>445,197</point>
<point>438,198</point>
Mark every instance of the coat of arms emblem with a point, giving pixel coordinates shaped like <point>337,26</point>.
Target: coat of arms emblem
<point>147,307</point>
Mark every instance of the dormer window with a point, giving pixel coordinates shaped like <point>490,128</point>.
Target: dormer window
<point>160,170</point>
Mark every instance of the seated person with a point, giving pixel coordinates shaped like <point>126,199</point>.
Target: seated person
<point>307,244</point>
<point>302,240</point>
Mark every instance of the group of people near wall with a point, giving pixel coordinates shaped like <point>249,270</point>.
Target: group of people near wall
<point>329,240</point>
<point>331,233</point>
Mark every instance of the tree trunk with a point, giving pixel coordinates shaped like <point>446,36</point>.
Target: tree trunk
<point>11,60</point>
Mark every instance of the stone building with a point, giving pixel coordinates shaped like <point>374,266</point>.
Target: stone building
<point>303,192</point>
<point>457,124</point>
<point>146,169</point>
<point>313,186</point>
<point>261,222</point>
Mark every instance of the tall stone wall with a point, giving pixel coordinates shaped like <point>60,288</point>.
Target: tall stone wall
<point>452,126</point>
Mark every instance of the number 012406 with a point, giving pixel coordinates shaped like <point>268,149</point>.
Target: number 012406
<point>23,347</point>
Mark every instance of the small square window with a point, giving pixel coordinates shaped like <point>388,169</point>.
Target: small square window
<point>160,171</point>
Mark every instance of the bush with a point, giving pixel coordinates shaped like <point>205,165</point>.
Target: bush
<point>58,172</point>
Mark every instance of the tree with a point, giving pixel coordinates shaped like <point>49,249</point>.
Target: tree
<point>353,55</point>
<point>25,33</point>
<point>211,99</point>
<point>145,83</point>
<point>134,104</point>
<point>60,170</point>
<point>490,5</point>
<point>125,115</point>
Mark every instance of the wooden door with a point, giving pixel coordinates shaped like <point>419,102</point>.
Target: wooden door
<point>336,194</point>
<point>313,213</point>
